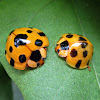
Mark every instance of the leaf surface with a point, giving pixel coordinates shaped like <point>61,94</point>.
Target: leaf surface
<point>5,85</point>
<point>55,80</point>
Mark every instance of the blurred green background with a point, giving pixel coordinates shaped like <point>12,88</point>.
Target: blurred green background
<point>55,80</point>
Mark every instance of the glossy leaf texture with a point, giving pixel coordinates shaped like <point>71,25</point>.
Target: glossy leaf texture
<point>55,80</point>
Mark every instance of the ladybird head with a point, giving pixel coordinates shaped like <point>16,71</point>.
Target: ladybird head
<point>37,58</point>
<point>62,48</point>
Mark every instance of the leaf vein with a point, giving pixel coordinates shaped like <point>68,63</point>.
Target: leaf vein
<point>96,75</point>
<point>79,21</point>
<point>46,5</point>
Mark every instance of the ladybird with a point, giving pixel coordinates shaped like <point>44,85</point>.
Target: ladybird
<point>26,47</point>
<point>76,49</point>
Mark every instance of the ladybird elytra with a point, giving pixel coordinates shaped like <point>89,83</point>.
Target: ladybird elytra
<point>76,49</point>
<point>25,47</point>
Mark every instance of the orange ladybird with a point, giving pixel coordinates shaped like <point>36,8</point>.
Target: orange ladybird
<point>76,49</point>
<point>26,47</point>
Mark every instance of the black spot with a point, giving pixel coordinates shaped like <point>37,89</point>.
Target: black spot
<point>35,56</point>
<point>82,39</point>
<point>5,51</point>
<point>20,40</point>
<point>38,64</point>
<point>69,36</point>
<point>73,53</point>
<point>29,31</point>
<point>11,32</point>
<point>78,64</point>
<point>12,62</point>
<point>41,34</point>
<point>10,49</point>
<point>64,45</point>
<point>38,42</point>
<point>22,58</point>
<point>43,58</point>
<point>84,44</point>
<point>58,50</point>
<point>88,62</point>
<point>85,53</point>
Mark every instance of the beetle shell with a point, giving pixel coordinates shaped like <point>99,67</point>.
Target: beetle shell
<point>26,47</point>
<point>76,49</point>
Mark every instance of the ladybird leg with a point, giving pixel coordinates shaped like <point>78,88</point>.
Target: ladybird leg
<point>89,68</point>
<point>45,48</point>
<point>27,65</point>
<point>41,62</point>
<point>65,58</point>
<point>38,65</point>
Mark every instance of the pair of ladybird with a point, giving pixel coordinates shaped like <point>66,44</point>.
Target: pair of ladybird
<point>26,47</point>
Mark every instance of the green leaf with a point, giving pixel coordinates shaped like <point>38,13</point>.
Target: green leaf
<point>5,85</point>
<point>55,80</point>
